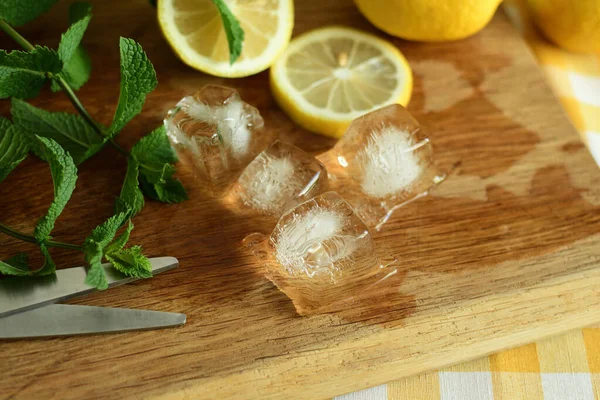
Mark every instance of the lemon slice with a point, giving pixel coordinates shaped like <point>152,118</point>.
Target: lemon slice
<point>194,30</point>
<point>330,76</point>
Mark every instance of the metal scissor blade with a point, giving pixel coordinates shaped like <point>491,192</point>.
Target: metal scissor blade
<point>21,294</point>
<point>66,320</point>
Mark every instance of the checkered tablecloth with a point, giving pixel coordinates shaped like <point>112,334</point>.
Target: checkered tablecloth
<point>561,368</point>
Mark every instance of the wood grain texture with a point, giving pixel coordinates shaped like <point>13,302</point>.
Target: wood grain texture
<point>506,251</point>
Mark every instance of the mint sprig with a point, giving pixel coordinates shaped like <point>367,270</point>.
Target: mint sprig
<point>65,140</point>
<point>102,244</point>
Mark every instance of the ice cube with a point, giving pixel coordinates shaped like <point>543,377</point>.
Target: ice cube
<point>320,253</point>
<point>383,161</point>
<point>218,134</point>
<point>280,178</point>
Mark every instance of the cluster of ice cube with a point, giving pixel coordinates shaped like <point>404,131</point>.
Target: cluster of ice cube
<point>321,249</point>
<point>225,140</point>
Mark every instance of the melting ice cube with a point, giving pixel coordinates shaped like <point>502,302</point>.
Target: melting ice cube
<point>383,161</point>
<point>320,253</point>
<point>280,178</point>
<point>216,132</point>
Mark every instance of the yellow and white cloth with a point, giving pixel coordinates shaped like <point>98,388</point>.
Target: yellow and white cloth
<point>561,368</point>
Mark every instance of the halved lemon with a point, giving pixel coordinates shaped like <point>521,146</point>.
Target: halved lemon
<point>330,76</point>
<point>194,30</point>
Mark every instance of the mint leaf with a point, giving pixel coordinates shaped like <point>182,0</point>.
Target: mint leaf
<point>154,148</point>
<point>19,12</point>
<point>94,246</point>
<point>233,30</point>
<point>120,241</point>
<point>70,131</point>
<point>156,173</point>
<point>77,64</point>
<point>166,190</point>
<point>17,266</point>
<point>77,71</point>
<point>22,74</point>
<point>96,276</point>
<point>104,233</point>
<point>138,78</point>
<point>70,40</point>
<point>155,155</point>
<point>131,262</point>
<point>13,148</point>
<point>131,197</point>
<point>64,176</point>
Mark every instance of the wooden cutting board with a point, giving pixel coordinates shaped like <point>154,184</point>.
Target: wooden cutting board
<point>506,251</point>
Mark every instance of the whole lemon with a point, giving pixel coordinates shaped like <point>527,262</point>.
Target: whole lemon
<point>571,24</point>
<point>429,20</point>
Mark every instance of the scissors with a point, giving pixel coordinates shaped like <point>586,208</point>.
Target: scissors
<point>28,309</point>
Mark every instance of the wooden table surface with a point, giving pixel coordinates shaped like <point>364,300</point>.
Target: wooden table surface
<point>505,252</point>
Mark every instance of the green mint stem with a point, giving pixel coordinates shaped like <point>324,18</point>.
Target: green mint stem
<point>14,35</point>
<point>83,112</point>
<point>121,150</point>
<point>77,104</point>
<point>28,238</point>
